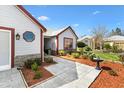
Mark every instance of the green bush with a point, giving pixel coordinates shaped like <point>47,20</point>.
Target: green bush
<point>76,55</point>
<point>34,67</point>
<point>91,56</point>
<point>37,75</point>
<point>49,60</point>
<point>28,63</point>
<point>38,61</point>
<point>81,44</point>
<point>84,56</point>
<point>107,46</point>
<point>121,58</point>
<point>62,52</point>
<point>80,50</point>
<point>112,73</point>
<point>115,49</point>
<point>87,48</point>
<point>69,51</point>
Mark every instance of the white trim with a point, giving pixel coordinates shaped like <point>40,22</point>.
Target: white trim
<point>6,67</point>
<point>9,65</point>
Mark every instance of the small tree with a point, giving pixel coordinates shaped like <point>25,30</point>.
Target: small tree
<point>81,44</point>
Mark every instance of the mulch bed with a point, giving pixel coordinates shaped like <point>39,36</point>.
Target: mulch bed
<point>105,80</point>
<point>29,74</point>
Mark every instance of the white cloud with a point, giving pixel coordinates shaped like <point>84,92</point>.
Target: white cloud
<point>96,12</point>
<point>43,18</point>
<point>76,25</point>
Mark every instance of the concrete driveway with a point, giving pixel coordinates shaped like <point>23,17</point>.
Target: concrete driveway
<point>11,79</point>
<point>69,74</point>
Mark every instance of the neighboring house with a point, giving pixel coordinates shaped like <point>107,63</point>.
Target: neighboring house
<point>115,40</point>
<point>21,36</point>
<point>88,40</point>
<point>62,39</point>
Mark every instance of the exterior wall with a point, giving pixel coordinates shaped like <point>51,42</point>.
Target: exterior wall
<point>68,34</point>
<point>120,45</point>
<point>117,43</point>
<point>88,42</point>
<point>10,16</point>
<point>19,60</point>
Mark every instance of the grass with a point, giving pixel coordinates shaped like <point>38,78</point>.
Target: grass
<point>108,56</point>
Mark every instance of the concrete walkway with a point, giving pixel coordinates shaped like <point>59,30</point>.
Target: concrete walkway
<point>86,75</point>
<point>69,74</point>
<point>11,79</point>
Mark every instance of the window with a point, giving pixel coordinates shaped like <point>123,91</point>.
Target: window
<point>29,36</point>
<point>68,43</point>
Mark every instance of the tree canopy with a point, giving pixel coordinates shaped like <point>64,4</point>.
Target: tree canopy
<point>117,31</point>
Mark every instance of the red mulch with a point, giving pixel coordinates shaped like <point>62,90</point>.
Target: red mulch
<point>29,74</point>
<point>105,80</point>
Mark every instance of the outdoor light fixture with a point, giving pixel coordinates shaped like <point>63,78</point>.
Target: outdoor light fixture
<point>17,36</point>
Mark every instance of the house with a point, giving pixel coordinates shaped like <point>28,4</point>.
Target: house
<point>88,40</point>
<point>115,40</point>
<point>62,39</point>
<point>21,36</point>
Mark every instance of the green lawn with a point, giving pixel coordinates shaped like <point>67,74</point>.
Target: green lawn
<point>108,56</point>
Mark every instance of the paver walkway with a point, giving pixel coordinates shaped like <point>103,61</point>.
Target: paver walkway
<point>69,74</point>
<point>11,79</point>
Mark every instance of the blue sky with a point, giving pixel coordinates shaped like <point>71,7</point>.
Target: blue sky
<point>81,18</point>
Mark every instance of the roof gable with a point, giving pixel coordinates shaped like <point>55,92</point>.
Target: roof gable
<point>85,37</point>
<point>60,31</point>
<point>20,7</point>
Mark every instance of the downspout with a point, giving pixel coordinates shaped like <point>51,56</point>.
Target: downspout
<point>42,46</point>
<point>57,46</point>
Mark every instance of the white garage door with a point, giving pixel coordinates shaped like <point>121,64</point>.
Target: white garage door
<point>5,50</point>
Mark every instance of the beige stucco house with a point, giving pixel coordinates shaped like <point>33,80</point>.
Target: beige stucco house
<point>115,40</point>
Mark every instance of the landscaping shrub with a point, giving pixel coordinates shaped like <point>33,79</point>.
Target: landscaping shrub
<point>81,44</point>
<point>28,63</point>
<point>34,67</point>
<point>62,52</point>
<point>49,60</point>
<point>91,56</point>
<point>84,56</point>
<point>107,46</point>
<point>38,61</point>
<point>76,55</point>
<point>87,48</point>
<point>69,51</point>
<point>115,49</point>
<point>112,73</point>
<point>37,75</point>
<point>122,59</point>
<point>80,50</point>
